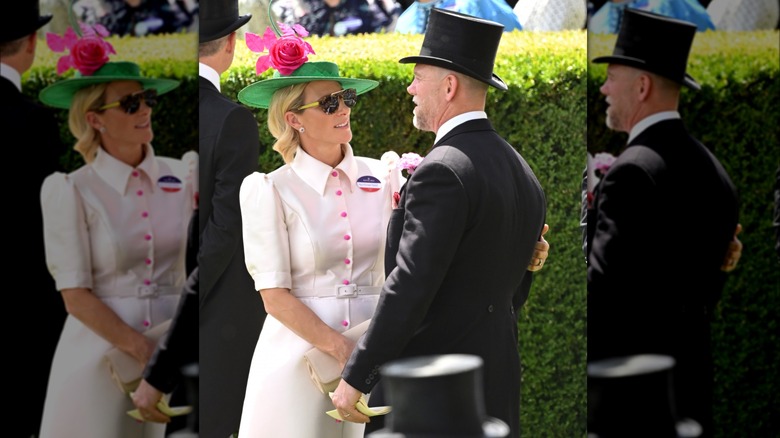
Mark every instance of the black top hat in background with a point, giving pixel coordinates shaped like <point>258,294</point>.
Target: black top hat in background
<point>20,18</point>
<point>218,18</point>
<point>654,43</point>
<point>632,396</point>
<point>461,43</point>
<point>436,397</point>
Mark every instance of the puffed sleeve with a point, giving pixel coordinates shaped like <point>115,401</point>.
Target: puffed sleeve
<point>266,245</point>
<point>190,158</point>
<point>65,233</point>
<point>394,177</point>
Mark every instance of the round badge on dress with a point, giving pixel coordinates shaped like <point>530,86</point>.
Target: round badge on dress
<point>169,183</point>
<point>368,183</point>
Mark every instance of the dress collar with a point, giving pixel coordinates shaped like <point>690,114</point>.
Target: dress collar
<point>315,173</point>
<point>117,174</point>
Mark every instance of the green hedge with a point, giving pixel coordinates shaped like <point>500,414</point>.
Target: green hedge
<point>736,113</point>
<point>543,116</point>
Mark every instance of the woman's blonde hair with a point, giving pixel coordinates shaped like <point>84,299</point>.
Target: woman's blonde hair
<point>287,138</point>
<point>87,138</point>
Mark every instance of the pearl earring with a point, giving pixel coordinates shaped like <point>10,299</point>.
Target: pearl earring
<point>102,129</point>
<point>302,129</point>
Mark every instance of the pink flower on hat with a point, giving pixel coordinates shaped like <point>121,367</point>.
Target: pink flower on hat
<point>285,53</point>
<point>87,53</point>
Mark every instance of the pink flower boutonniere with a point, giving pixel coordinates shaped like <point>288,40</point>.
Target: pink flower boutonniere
<point>285,53</point>
<point>602,161</point>
<point>598,166</point>
<point>87,53</point>
<point>409,162</point>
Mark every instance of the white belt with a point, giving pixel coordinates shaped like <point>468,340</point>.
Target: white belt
<point>144,291</point>
<point>338,291</point>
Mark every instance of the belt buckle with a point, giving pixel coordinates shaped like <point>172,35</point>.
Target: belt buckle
<point>147,291</point>
<point>346,291</point>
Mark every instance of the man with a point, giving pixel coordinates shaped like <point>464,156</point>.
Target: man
<point>231,311</point>
<point>468,219</point>
<point>665,184</point>
<point>21,117</point>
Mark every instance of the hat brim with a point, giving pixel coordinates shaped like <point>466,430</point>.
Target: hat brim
<point>211,36</point>
<point>491,428</point>
<point>60,94</point>
<point>494,80</point>
<point>258,95</point>
<point>18,33</point>
<point>629,61</point>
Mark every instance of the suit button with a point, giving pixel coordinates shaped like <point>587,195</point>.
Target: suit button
<point>368,381</point>
<point>490,308</point>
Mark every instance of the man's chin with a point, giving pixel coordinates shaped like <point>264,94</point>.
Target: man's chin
<point>419,124</point>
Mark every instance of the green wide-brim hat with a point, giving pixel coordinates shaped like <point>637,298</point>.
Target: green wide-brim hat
<point>259,94</point>
<point>60,94</point>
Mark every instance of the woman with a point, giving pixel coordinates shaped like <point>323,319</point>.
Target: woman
<point>314,240</point>
<point>115,234</point>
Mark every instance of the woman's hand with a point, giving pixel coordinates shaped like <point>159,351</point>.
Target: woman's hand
<point>101,319</point>
<point>343,350</point>
<point>142,349</point>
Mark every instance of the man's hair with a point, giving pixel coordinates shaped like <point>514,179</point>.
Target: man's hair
<point>10,48</point>
<point>211,47</point>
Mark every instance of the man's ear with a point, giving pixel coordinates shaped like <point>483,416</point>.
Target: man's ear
<point>645,85</point>
<point>452,84</point>
<point>32,40</point>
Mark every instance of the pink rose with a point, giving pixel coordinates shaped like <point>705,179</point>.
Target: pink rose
<point>288,54</point>
<point>285,54</point>
<point>89,54</point>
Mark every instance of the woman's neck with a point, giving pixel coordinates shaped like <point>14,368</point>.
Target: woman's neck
<point>328,154</point>
<point>132,155</point>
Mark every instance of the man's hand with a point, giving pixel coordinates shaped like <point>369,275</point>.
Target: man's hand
<point>145,398</point>
<point>734,252</point>
<point>344,399</point>
<point>541,251</point>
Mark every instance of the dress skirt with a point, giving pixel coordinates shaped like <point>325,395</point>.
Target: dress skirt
<point>280,396</point>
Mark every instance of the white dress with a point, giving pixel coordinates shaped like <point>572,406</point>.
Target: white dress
<point>121,232</point>
<point>310,228</point>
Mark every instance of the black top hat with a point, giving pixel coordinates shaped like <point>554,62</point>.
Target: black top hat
<point>461,43</point>
<point>654,43</point>
<point>218,18</point>
<point>632,396</point>
<point>436,397</point>
<point>20,18</point>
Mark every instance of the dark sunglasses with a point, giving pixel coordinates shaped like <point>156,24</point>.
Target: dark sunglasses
<point>132,102</point>
<point>330,103</point>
